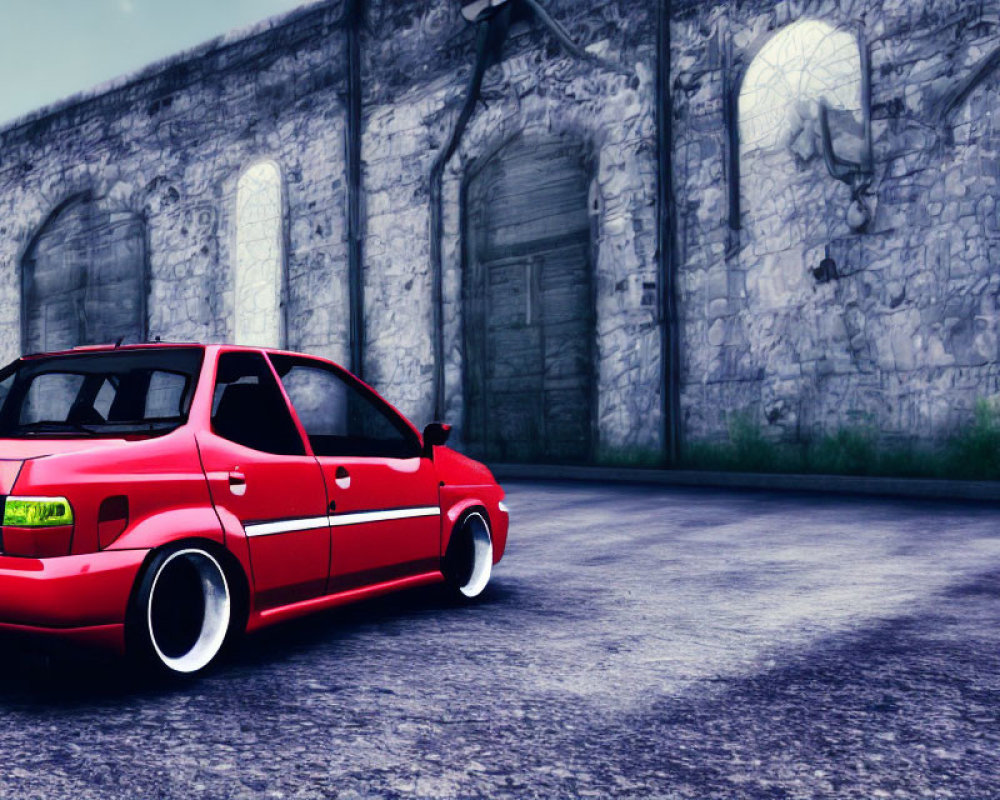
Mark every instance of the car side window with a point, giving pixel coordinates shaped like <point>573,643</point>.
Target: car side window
<point>5,385</point>
<point>50,397</point>
<point>165,395</point>
<point>340,416</point>
<point>247,406</point>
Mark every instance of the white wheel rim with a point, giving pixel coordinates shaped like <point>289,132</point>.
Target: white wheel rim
<point>482,555</point>
<point>215,619</point>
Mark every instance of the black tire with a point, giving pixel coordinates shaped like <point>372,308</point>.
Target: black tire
<point>183,611</point>
<point>468,562</point>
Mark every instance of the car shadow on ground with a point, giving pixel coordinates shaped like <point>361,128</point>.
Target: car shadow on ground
<point>317,632</point>
<point>38,674</point>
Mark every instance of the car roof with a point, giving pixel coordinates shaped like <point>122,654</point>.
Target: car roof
<point>108,348</point>
<point>98,348</point>
<point>210,349</point>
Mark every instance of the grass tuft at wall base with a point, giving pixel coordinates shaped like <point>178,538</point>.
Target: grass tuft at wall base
<point>971,453</point>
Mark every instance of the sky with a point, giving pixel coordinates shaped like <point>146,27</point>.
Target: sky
<point>51,49</point>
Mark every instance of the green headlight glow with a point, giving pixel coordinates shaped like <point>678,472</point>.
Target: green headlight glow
<point>37,512</point>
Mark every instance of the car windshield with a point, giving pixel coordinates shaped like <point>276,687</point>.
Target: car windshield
<point>106,393</point>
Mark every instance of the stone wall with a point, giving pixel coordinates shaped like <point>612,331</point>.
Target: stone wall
<point>904,340</point>
<point>171,143</point>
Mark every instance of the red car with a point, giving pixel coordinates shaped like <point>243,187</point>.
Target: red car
<point>161,499</point>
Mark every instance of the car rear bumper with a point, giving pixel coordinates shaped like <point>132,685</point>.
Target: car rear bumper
<point>102,637</point>
<point>81,598</point>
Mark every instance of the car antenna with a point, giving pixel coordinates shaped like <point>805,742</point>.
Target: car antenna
<point>118,342</point>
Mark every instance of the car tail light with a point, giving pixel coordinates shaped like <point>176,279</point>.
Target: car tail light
<point>37,512</point>
<point>37,526</point>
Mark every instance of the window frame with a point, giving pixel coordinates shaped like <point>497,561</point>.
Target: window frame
<point>88,358</point>
<point>303,439</point>
<point>399,421</point>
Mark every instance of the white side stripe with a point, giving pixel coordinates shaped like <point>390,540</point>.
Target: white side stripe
<point>285,526</point>
<point>381,516</point>
<point>336,520</point>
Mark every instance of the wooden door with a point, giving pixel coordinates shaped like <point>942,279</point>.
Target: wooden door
<point>85,279</point>
<point>529,320</point>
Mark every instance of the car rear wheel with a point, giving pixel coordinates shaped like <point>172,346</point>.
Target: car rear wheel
<point>468,563</point>
<point>183,611</point>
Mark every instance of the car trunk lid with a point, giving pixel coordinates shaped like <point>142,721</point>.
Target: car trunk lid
<point>14,452</point>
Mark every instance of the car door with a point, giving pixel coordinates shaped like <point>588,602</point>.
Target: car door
<point>383,495</point>
<point>260,472</point>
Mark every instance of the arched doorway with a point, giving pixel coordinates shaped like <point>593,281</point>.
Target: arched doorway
<point>529,307</point>
<point>84,278</point>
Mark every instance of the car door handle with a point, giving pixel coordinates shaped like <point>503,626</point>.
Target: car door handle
<point>237,483</point>
<point>342,478</point>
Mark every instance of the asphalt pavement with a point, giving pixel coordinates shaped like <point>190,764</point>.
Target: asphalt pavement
<point>647,642</point>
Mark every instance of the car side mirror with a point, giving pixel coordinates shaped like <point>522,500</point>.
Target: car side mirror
<point>435,435</point>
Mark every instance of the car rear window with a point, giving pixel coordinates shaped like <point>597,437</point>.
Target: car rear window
<point>107,393</point>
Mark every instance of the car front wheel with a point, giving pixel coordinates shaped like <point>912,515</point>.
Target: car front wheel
<point>468,563</point>
<point>182,611</point>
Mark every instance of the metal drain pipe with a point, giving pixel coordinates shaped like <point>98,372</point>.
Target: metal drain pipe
<point>670,428</point>
<point>353,18</point>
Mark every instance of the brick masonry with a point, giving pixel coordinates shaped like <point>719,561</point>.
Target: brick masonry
<point>905,339</point>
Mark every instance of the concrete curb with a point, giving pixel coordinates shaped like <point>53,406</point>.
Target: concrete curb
<point>984,491</point>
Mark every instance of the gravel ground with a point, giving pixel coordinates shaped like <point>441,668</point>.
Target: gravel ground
<point>635,642</point>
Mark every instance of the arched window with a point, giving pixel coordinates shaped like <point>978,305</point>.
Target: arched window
<point>260,256</point>
<point>804,63</point>
<point>783,185</point>
<point>84,278</point>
